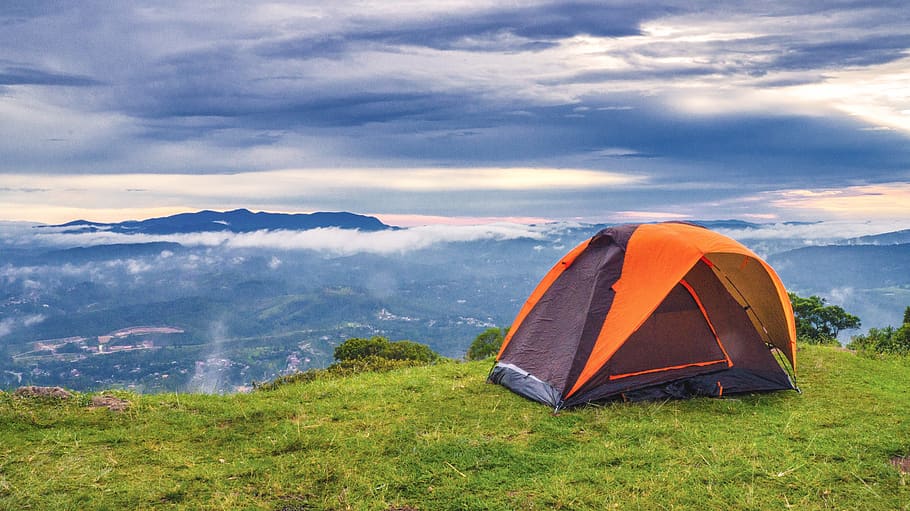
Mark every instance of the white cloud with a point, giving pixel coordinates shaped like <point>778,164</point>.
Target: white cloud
<point>878,95</point>
<point>878,201</point>
<point>135,266</point>
<point>331,240</point>
<point>9,325</point>
<point>816,232</point>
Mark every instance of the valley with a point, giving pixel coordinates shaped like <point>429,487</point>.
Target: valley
<point>188,312</point>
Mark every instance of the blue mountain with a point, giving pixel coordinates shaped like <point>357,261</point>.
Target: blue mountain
<point>238,220</point>
<point>888,238</point>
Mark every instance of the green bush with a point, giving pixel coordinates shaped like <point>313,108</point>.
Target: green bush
<point>888,340</point>
<point>486,344</point>
<point>409,350</point>
<point>360,348</point>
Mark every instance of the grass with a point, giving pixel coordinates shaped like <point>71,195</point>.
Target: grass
<point>436,438</point>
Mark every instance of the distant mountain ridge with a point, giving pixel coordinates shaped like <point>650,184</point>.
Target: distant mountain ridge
<point>888,238</point>
<point>238,220</point>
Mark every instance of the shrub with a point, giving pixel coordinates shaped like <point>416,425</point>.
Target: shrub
<point>409,350</point>
<point>888,340</point>
<point>358,348</point>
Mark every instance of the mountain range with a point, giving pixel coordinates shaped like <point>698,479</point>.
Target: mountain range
<point>238,220</point>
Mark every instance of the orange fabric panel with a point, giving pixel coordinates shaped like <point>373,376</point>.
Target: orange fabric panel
<point>658,256</point>
<point>662,369</point>
<point>541,289</point>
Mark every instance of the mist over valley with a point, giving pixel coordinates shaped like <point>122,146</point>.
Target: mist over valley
<point>217,305</point>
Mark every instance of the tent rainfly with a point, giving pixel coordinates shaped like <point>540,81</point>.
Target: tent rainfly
<point>651,311</point>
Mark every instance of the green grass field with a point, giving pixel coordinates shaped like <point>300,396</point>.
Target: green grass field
<point>435,438</point>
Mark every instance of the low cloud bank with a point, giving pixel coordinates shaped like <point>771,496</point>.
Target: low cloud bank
<point>818,231</point>
<point>337,241</point>
<point>8,325</point>
<point>331,240</point>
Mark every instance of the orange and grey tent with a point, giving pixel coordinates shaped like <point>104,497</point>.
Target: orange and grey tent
<point>651,311</point>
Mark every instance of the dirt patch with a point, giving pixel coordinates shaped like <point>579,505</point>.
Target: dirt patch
<point>52,392</point>
<point>901,463</point>
<point>114,404</point>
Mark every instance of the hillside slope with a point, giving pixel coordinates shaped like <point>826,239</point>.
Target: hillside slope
<point>437,437</point>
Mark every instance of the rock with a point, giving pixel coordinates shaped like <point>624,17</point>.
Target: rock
<point>114,404</point>
<point>34,391</point>
<point>901,463</point>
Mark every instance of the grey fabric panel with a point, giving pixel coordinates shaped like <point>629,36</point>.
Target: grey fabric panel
<point>546,342</point>
<point>738,380</point>
<point>524,384</point>
<point>726,382</point>
<point>618,234</point>
<point>601,387</point>
<point>602,296</point>
<point>698,382</point>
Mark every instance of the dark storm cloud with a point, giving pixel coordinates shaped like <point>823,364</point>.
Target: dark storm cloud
<point>865,51</point>
<point>19,75</point>
<point>215,84</point>
<point>756,150</point>
<point>758,57</point>
<point>519,29</point>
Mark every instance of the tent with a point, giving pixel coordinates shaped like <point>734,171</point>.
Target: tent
<point>651,311</point>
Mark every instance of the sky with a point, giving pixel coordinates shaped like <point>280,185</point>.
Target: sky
<point>457,111</point>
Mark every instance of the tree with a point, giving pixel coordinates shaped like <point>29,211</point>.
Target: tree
<point>487,343</point>
<point>818,323</point>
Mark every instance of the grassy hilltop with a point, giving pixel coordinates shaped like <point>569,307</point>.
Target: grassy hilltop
<point>435,438</point>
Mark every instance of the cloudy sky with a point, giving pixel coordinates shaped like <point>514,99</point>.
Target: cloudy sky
<point>456,110</point>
